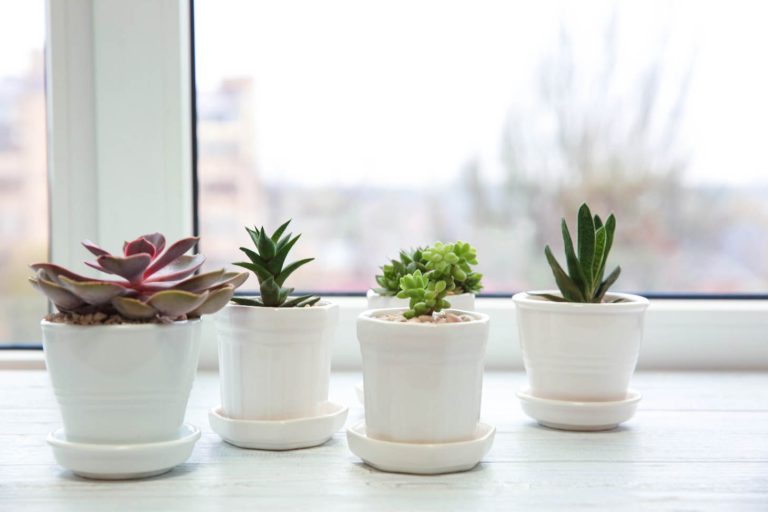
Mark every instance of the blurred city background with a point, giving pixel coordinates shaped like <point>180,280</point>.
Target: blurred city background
<point>377,126</point>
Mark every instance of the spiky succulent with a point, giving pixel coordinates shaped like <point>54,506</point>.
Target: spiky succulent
<point>267,262</point>
<point>391,273</point>
<point>151,284</point>
<point>584,280</point>
<point>426,295</point>
<point>452,263</point>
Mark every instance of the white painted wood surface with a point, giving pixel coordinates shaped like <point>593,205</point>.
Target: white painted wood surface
<point>698,442</point>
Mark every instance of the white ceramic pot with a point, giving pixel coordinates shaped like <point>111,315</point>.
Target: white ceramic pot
<point>122,384</point>
<point>423,382</point>
<point>275,363</point>
<point>580,352</point>
<point>463,301</point>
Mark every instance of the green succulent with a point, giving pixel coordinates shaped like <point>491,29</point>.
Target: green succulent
<point>452,263</point>
<point>267,262</point>
<point>584,281</point>
<point>427,295</point>
<point>391,273</point>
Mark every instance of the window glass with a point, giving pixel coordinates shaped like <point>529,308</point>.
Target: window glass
<point>385,125</point>
<point>23,179</point>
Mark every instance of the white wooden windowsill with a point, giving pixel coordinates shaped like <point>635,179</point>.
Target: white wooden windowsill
<point>699,442</point>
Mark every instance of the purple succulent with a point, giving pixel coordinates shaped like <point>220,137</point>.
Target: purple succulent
<point>150,282</point>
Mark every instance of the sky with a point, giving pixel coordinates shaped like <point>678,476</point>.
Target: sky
<point>406,92</point>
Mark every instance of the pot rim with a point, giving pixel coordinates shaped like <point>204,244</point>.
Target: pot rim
<point>368,316</point>
<point>634,303</point>
<point>61,325</point>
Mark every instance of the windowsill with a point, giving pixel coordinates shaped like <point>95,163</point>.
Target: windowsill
<point>679,335</point>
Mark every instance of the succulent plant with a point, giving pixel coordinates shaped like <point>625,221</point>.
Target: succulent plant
<point>452,263</point>
<point>427,295</point>
<point>584,281</point>
<point>152,284</point>
<point>391,273</point>
<point>268,263</point>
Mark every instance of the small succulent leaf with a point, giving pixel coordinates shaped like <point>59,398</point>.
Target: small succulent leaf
<point>183,267</point>
<point>253,256</point>
<point>261,273</point>
<point>53,272</point>
<point>157,240</point>
<point>549,296</point>
<point>172,254</point>
<point>289,269</point>
<point>133,308</point>
<point>244,301</point>
<point>597,264</point>
<point>95,293</point>
<point>598,222</point>
<point>201,281</point>
<point>233,279</point>
<point>301,301</point>
<point>279,231</point>
<point>408,314</point>
<point>403,294</point>
<point>139,246</point>
<point>94,249</point>
<point>586,242</point>
<point>574,268</point>
<point>254,234</point>
<point>215,301</point>
<point>63,299</point>
<point>610,228</point>
<point>130,268</point>
<point>276,265</point>
<point>176,303</point>
<point>284,240</point>
<point>564,283</point>
<point>266,246</point>
<point>270,292</point>
<point>605,285</point>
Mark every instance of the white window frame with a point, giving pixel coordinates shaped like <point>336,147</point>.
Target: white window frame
<point>119,113</point>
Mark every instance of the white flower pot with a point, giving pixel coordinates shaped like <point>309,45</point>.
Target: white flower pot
<point>462,301</point>
<point>580,352</point>
<point>423,382</point>
<point>275,363</point>
<point>122,384</point>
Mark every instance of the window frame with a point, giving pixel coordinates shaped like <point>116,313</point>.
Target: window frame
<point>86,117</point>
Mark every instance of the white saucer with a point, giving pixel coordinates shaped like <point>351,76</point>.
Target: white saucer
<point>280,434</point>
<point>123,461</point>
<point>581,416</point>
<point>420,459</point>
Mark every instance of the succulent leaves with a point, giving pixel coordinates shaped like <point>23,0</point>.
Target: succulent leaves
<point>268,263</point>
<point>391,273</point>
<point>426,295</point>
<point>586,262</point>
<point>451,263</point>
<point>150,283</point>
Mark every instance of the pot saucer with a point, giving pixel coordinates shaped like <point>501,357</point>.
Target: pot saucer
<point>280,434</point>
<point>123,461</point>
<point>417,458</point>
<point>580,416</point>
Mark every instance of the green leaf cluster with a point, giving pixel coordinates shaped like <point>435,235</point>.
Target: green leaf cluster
<point>391,273</point>
<point>453,263</point>
<point>427,295</point>
<point>268,263</point>
<point>586,263</point>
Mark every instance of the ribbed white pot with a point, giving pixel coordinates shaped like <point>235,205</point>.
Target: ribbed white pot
<point>423,382</point>
<point>275,363</point>
<point>122,384</point>
<point>580,352</point>
<point>462,301</point>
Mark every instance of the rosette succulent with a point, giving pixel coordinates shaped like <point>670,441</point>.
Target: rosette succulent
<point>268,263</point>
<point>584,281</point>
<point>453,263</point>
<point>392,272</point>
<point>151,283</point>
<point>426,295</point>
